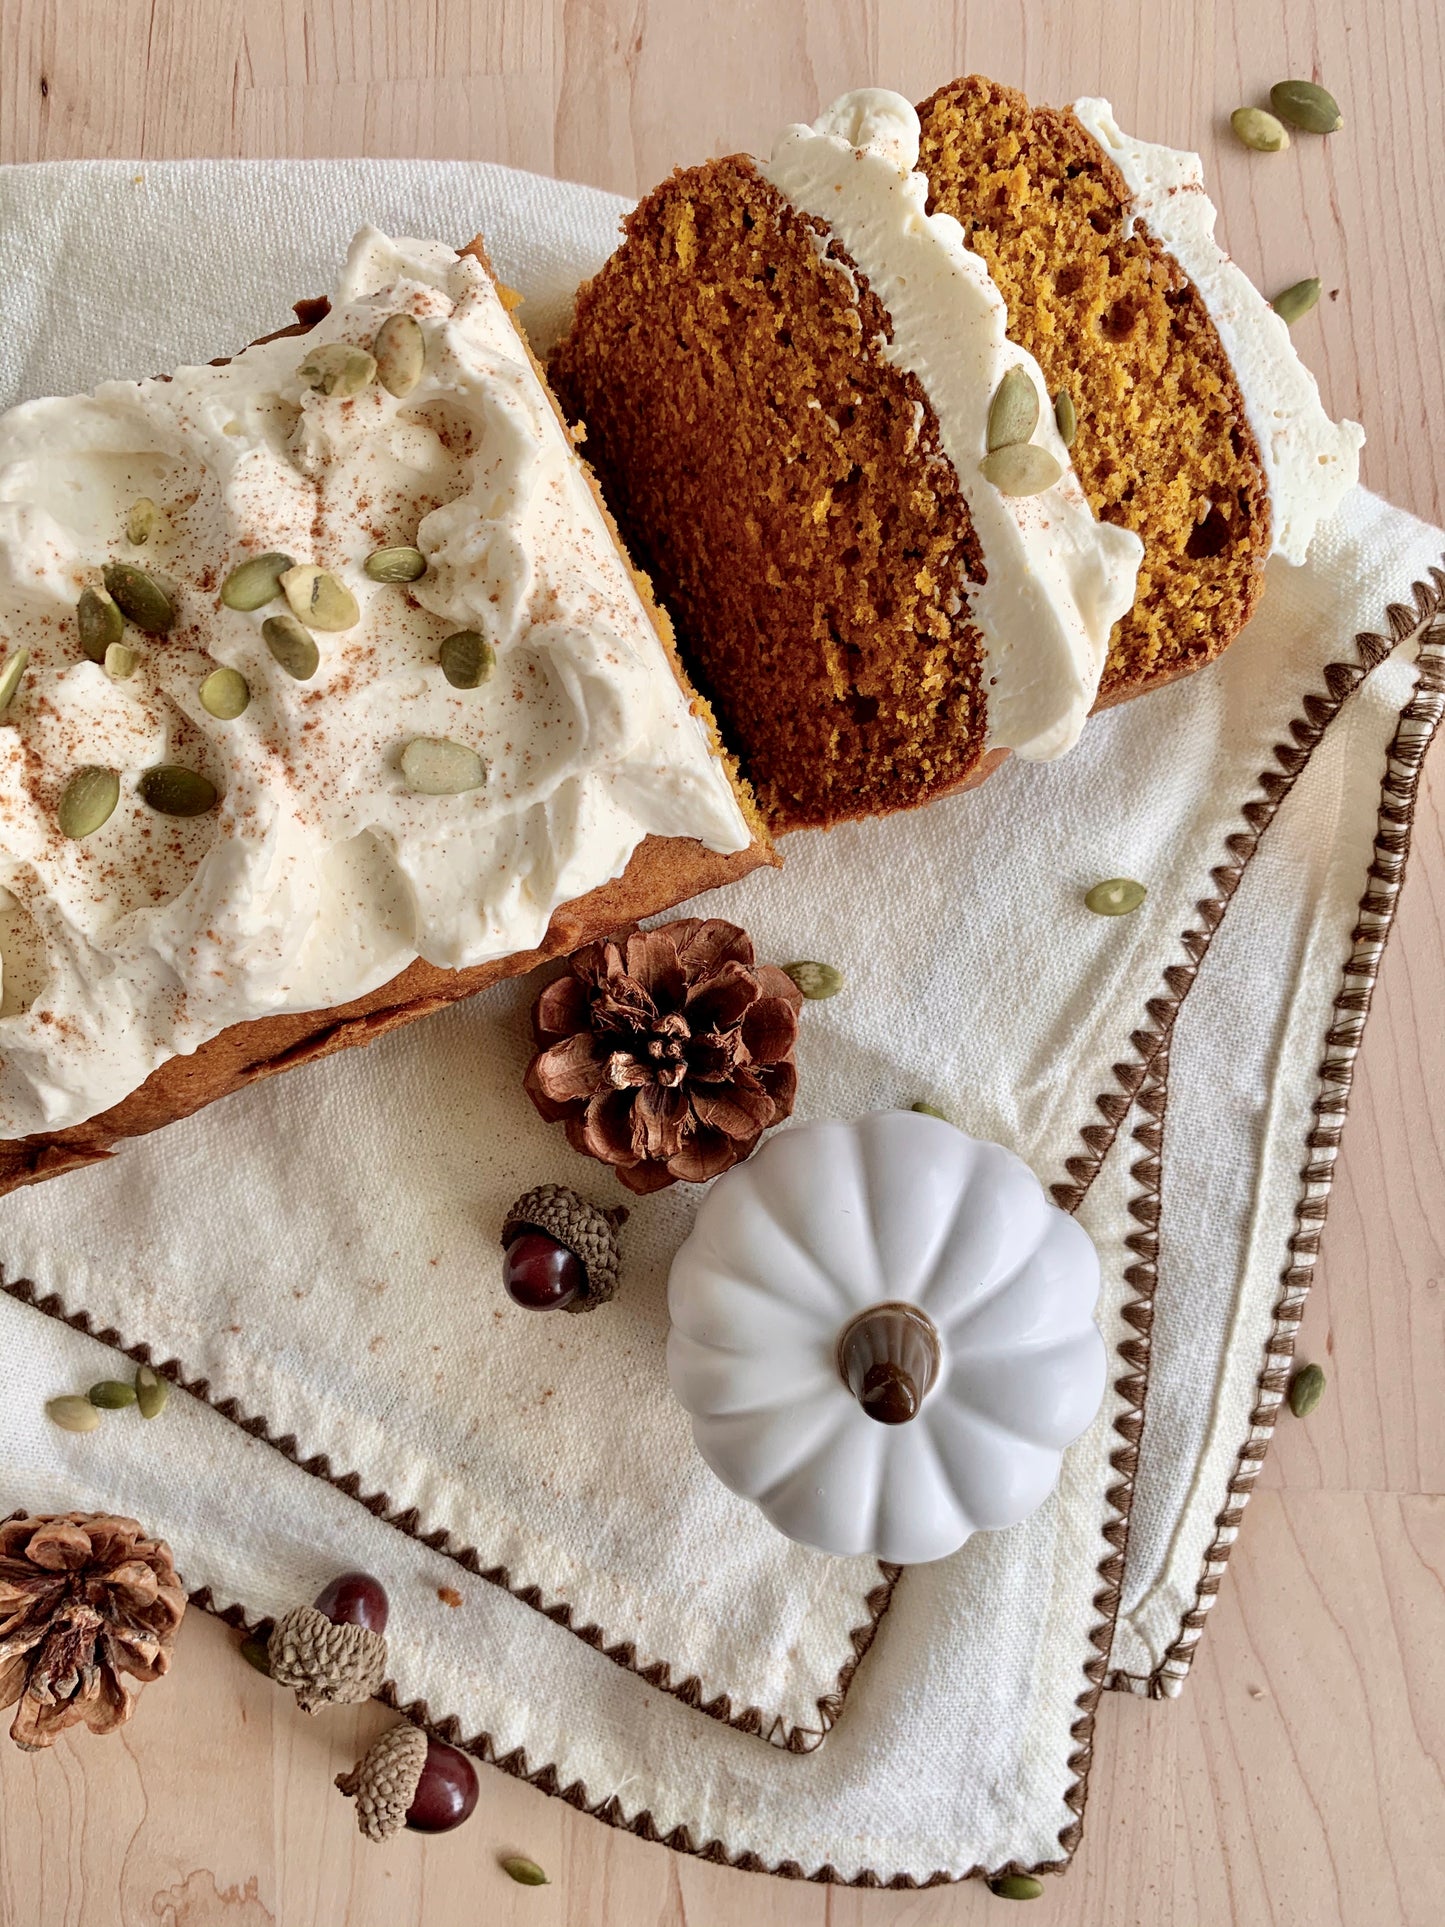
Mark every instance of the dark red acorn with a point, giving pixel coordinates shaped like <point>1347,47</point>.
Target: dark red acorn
<point>540,1273</point>
<point>446,1793</point>
<point>354,1599</point>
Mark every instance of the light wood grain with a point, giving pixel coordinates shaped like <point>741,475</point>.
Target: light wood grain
<point>1300,1777</point>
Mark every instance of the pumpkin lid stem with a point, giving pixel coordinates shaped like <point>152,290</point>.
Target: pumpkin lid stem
<point>889,1357</point>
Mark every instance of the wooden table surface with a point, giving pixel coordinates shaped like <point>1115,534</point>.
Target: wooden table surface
<point>1299,1779</point>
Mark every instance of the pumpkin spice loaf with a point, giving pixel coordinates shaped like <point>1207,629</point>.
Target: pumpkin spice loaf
<point>436,732</point>
<point>1198,426</point>
<point>785,374</point>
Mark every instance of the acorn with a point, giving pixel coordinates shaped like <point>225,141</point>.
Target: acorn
<point>406,1779</point>
<point>561,1252</point>
<point>333,1652</point>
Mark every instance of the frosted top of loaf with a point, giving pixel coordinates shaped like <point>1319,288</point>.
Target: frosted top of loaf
<point>1058,579</point>
<point>322,870</point>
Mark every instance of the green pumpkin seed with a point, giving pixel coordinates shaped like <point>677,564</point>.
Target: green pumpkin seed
<point>87,801</point>
<point>436,766</point>
<point>1306,105</point>
<point>467,659</point>
<point>99,622</point>
<point>151,1391</point>
<point>112,1394</point>
<point>1297,301</point>
<point>15,667</point>
<point>1013,414</point>
<point>395,565</point>
<point>141,598</point>
<point>1016,1886</point>
<point>928,1110</point>
<point>336,368</point>
<point>1259,130</point>
<point>255,582</point>
<point>170,789</point>
<point>140,522</point>
<point>1066,417</point>
<point>815,980</point>
<point>225,694</point>
<point>1306,1389</point>
<point>1021,468</point>
<point>526,1873</point>
<point>320,599</point>
<point>400,353</point>
<point>72,1413</point>
<point>293,646</point>
<point>1116,897</point>
<point>121,661</point>
<point>257,1652</point>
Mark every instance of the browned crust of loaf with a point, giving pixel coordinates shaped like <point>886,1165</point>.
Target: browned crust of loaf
<point>663,871</point>
<point>789,697</point>
<point>1062,131</point>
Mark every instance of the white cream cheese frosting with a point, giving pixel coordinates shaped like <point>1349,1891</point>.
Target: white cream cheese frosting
<point>319,875</point>
<point>1058,579</point>
<point>1310,461</point>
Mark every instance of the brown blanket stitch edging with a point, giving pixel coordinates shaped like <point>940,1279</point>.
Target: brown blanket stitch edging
<point>689,1689</point>
<point>1136,1086</point>
<point>1405,759</point>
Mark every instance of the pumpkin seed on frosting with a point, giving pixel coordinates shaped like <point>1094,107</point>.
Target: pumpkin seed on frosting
<point>10,676</point>
<point>170,789</point>
<point>292,645</point>
<point>1013,414</point>
<point>395,565</point>
<point>467,659</point>
<point>225,694</point>
<point>87,801</point>
<point>437,766</point>
<point>121,661</point>
<point>337,368</point>
<point>1021,468</point>
<point>98,621</point>
<point>399,351</point>
<point>142,599</point>
<point>255,582</point>
<point>140,522</point>
<point>320,599</point>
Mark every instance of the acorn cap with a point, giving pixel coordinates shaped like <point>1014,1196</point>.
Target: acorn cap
<point>325,1664</point>
<point>385,1779</point>
<point>588,1232</point>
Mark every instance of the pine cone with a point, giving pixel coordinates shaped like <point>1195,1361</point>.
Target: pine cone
<point>668,1053</point>
<point>84,1599</point>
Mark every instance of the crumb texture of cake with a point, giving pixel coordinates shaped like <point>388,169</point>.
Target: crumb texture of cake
<point>1198,427</point>
<point>785,375</point>
<point>316,861</point>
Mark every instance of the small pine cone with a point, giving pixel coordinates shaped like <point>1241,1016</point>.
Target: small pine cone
<point>385,1779</point>
<point>325,1664</point>
<point>588,1231</point>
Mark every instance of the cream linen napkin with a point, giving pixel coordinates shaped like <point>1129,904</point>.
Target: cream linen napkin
<point>321,1250</point>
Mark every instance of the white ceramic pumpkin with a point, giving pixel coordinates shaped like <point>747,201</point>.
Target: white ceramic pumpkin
<point>883,1332</point>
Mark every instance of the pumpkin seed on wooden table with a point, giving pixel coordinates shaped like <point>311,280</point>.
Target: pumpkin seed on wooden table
<point>142,600</point>
<point>467,659</point>
<point>87,801</point>
<point>399,351</point>
<point>1306,1389</point>
<point>1306,105</point>
<point>1297,300</point>
<point>292,645</point>
<point>170,789</point>
<point>320,599</point>
<point>525,1872</point>
<point>1259,130</point>
<point>255,582</point>
<point>1016,1886</point>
